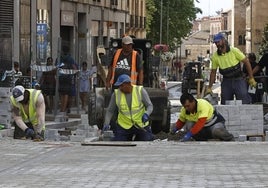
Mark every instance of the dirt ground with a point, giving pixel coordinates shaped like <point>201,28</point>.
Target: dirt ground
<point>163,135</point>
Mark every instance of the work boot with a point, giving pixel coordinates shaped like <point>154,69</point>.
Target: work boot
<point>222,134</point>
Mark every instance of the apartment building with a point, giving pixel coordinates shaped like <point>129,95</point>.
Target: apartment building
<point>32,30</point>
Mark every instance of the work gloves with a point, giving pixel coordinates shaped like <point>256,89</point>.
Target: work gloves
<point>252,82</point>
<point>208,91</point>
<point>145,118</point>
<point>187,137</point>
<point>105,128</point>
<point>29,133</point>
<point>174,130</point>
<point>38,138</point>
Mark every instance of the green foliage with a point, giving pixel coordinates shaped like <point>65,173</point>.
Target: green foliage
<point>150,10</point>
<point>177,18</point>
<point>264,45</point>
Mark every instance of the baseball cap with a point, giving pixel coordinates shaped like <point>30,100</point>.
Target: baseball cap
<point>127,40</point>
<point>218,37</point>
<point>18,93</point>
<point>122,79</point>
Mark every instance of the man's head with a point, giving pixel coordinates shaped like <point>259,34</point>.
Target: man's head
<point>188,102</point>
<point>252,57</point>
<point>219,41</point>
<point>127,43</point>
<point>127,40</point>
<point>124,83</point>
<point>218,37</point>
<point>20,95</point>
<point>49,61</point>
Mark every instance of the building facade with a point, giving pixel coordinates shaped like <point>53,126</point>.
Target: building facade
<point>32,30</point>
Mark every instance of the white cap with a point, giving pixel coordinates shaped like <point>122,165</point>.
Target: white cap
<point>127,40</point>
<point>18,93</point>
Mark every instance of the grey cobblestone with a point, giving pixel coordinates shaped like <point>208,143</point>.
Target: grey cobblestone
<point>149,164</point>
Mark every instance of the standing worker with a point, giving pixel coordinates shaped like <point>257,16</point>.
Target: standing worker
<point>201,120</point>
<point>257,96</point>
<point>263,63</point>
<point>228,59</point>
<point>134,108</point>
<point>125,61</point>
<point>28,111</point>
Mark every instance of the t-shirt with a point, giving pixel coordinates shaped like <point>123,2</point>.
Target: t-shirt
<point>124,64</point>
<point>204,109</point>
<point>264,62</point>
<point>229,59</point>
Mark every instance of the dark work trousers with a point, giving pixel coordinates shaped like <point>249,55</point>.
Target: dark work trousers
<point>122,134</point>
<point>215,131</point>
<point>235,87</point>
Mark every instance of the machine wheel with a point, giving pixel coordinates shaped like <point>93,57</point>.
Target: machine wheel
<point>92,109</point>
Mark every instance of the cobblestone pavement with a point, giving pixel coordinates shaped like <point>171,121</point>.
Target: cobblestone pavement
<point>149,164</point>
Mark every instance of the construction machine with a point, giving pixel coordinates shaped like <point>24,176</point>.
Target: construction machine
<point>99,99</point>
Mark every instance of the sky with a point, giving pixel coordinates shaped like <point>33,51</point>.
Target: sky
<point>209,7</point>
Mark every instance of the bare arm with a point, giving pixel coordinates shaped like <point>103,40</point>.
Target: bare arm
<point>40,113</point>
<point>212,77</point>
<point>108,78</point>
<point>256,69</point>
<point>140,77</point>
<point>17,118</point>
<point>248,67</point>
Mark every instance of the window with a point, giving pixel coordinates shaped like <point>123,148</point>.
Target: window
<point>114,2</point>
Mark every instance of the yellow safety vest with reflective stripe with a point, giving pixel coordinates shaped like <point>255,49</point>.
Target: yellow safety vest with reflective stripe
<point>133,71</point>
<point>128,117</point>
<point>32,118</point>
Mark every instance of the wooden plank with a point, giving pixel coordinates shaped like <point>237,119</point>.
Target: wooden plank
<point>115,143</point>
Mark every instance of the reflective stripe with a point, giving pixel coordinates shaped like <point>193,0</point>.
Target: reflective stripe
<point>129,116</point>
<point>32,118</point>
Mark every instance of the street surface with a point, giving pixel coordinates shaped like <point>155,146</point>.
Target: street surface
<point>148,164</point>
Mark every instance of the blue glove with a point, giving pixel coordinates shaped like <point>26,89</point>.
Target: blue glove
<point>29,132</point>
<point>187,137</point>
<point>145,118</point>
<point>106,128</point>
<point>174,130</point>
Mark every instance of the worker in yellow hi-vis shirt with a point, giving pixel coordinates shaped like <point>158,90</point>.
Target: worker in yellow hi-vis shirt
<point>228,59</point>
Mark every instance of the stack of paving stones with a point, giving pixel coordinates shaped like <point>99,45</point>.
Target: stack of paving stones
<point>245,122</point>
<point>5,107</point>
<point>78,134</point>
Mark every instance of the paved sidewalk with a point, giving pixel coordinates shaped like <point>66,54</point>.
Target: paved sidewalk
<point>149,164</point>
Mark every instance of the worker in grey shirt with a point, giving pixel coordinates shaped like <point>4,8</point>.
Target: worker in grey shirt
<point>134,107</point>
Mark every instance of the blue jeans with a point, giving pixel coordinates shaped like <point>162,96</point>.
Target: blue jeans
<point>235,87</point>
<point>122,134</point>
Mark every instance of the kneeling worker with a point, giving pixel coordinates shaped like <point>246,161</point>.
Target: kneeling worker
<point>134,107</point>
<point>201,120</point>
<point>28,111</point>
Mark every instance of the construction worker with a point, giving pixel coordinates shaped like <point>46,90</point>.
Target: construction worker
<point>28,111</point>
<point>125,61</point>
<point>228,59</point>
<point>201,120</point>
<point>134,108</point>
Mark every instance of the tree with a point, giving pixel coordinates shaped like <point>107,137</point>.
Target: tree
<point>264,45</point>
<point>177,18</point>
